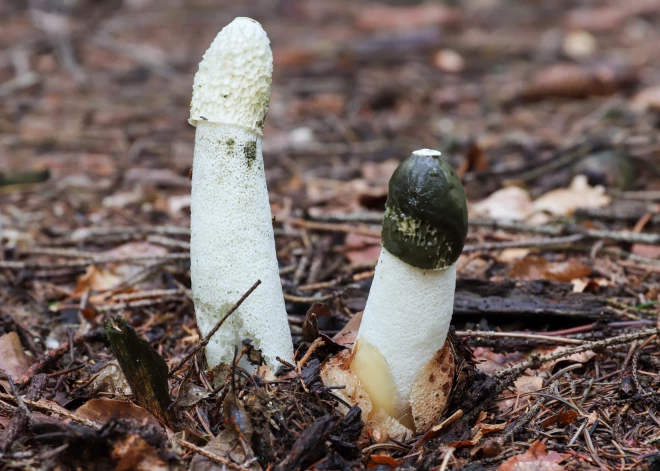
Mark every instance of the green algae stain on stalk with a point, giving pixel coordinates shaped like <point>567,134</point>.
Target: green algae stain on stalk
<point>250,152</point>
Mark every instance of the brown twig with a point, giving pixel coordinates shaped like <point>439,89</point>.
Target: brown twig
<point>522,421</point>
<point>142,299</point>
<point>557,230</point>
<point>14,265</point>
<point>518,335</point>
<point>546,242</point>
<point>53,355</point>
<point>204,342</point>
<point>329,227</point>
<point>54,410</point>
<point>311,299</point>
<point>315,345</point>
<point>212,456</point>
<point>536,360</point>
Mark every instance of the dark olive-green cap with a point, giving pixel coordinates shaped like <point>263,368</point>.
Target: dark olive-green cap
<point>426,221</point>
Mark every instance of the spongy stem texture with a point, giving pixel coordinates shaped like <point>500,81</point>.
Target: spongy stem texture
<point>407,317</point>
<point>232,246</point>
<point>232,85</point>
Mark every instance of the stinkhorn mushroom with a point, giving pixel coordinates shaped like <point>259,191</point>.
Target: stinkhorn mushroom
<point>231,242</point>
<point>398,357</point>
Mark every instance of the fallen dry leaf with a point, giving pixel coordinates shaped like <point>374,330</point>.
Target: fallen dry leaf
<point>646,250</point>
<point>582,357</point>
<point>379,18</point>
<point>489,361</point>
<point>478,431</point>
<point>609,18</point>
<point>225,445</point>
<point>492,428</point>
<point>96,164</point>
<point>110,379</point>
<point>596,20</point>
<point>512,255</point>
<point>13,359</point>
<point>579,81</point>
<point>647,99</point>
<point>475,159</point>
<point>122,199</point>
<point>562,418</point>
<point>580,284</point>
<point>448,60</point>
<point>177,203</point>
<point>101,410</point>
<point>132,452</point>
<point>96,278</point>
<point>564,201</point>
<point>135,248</point>
<point>362,250</point>
<point>376,461</point>
<point>512,203</point>
<point>190,394</point>
<point>292,56</point>
<point>535,459</point>
<point>593,285</point>
<point>347,335</point>
<point>131,249</point>
<point>319,104</point>
<point>155,176</point>
<point>379,173</point>
<point>310,329</point>
<point>477,435</point>
<point>527,384</point>
<point>538,268</point>
<point>524,385</point>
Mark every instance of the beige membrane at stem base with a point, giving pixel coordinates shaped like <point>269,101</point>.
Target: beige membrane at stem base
<point>429,396</point>
<point>431,390</point>
<point>376,378</point>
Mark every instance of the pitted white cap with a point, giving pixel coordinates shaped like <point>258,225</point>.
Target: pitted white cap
<point>232,85</point>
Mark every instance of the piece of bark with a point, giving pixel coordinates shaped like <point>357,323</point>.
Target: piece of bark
<point>527,298</point>
<point>513,299</point>
<point>309,444</point>
<point>226,445</point>
<point>145,370</point>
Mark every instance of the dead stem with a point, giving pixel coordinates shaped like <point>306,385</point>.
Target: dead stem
<point>537,361</point>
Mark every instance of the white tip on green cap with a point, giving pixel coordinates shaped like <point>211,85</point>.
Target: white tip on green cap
<point>427,152</point>
<point>232,85</point>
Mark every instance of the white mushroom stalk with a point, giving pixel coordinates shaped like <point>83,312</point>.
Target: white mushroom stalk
<point>232,243</point>
<point>410,304</point>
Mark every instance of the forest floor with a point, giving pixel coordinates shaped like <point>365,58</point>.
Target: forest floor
<point>549,112</point>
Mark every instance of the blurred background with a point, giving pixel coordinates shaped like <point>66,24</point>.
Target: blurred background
<point>97,92</point>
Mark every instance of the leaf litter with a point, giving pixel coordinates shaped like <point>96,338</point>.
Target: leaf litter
<point>558,289</point>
